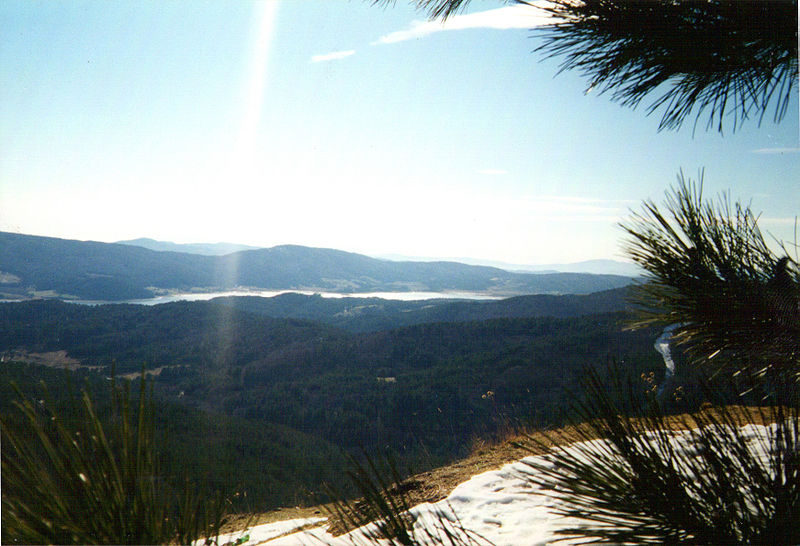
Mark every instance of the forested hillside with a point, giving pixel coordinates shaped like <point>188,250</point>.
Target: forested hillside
<point>255,464</point>
<point>129,336</point>
<point>90,270</point>
<point>372,314</point>
<point>424,391</point>
<point>33,266</point>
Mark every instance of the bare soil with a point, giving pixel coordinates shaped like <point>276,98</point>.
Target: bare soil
<point>52,359</point>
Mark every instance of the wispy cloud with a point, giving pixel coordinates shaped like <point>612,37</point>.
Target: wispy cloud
<point>777,151</point>
<point>332,56</point>
<point>568,208</point>
<point>519,16</point>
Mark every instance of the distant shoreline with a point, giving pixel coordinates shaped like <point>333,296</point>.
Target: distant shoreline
<point>171,296</point>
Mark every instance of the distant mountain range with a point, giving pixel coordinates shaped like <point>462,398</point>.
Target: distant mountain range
<point>32,266</point>
<point>206,249</point>
<point>597,267</point>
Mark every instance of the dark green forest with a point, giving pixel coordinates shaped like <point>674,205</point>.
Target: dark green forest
<point>254,464</point>
<point>271,406</point>
<point>373,314</point>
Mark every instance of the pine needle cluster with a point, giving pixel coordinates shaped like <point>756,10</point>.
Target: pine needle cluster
<point>709,477</point>
<point>383,514</point>
<point>76,478</point>
<point>735,305</point>
<point>710,270</point>
<point>733,58</point>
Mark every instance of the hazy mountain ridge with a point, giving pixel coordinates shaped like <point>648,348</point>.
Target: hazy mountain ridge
<point>94,270</point>
<point>45,266</point>
<point>596,266</point>
<point>205,249</point>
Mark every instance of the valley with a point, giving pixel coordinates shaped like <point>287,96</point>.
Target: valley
<point>264,259</point>
<point>247,389</point>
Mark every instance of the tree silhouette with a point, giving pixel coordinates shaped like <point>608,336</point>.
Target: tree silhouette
<point>731,59</point>
<point>711,271</point>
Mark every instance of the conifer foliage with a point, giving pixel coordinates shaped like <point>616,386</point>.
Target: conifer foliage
<point>72,477</point>
<point>734,59</point>
<point>730,59</point>
<point>711,271</point>
<point>723,480</point>
<point>707,477</point>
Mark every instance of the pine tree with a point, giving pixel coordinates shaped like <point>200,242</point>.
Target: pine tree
<point>710,270</point>
<point>731,59</point>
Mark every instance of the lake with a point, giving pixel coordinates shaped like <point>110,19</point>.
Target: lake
<point>205,296</point>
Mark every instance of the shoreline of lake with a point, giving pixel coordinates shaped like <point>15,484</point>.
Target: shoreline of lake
<point>206,296</point>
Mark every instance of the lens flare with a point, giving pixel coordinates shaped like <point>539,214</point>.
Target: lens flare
<point>265,15</point>
<point>242,163</point>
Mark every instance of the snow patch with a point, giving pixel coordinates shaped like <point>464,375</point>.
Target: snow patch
<point>265,532</point>
<point>503,506</point>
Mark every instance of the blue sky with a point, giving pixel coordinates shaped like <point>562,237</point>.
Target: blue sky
<point>343,125</point>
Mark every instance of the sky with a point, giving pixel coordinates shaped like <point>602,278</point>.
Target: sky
<point>344,125</point>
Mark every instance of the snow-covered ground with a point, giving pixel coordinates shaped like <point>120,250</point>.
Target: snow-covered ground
<point>266,532</point>
<point>502,506</point>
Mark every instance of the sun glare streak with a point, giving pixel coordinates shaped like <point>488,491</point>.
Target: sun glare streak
<point>242,167</point>
<point>265,15</point>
